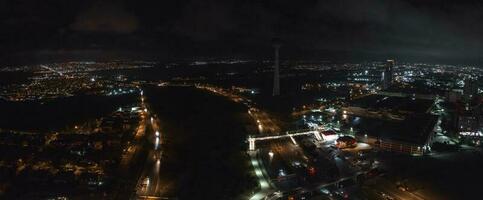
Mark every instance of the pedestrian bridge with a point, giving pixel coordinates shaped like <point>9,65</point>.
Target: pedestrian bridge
<point>289,134</point>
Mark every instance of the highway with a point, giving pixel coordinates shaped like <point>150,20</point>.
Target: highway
<point>148,137</point>
<point>150,184</point>
<point>265,124</point>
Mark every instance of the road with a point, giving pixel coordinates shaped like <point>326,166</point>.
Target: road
<point>262,175</point>
<point>265,124</point>
<point>149,184</point>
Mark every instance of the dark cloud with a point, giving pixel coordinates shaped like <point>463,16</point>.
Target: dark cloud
<point>365,28</point>
<point>105,16</point>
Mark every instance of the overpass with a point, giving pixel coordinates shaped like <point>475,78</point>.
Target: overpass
<point>290,134</point>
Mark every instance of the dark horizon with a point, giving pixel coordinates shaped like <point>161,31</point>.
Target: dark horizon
<point>103,55</point>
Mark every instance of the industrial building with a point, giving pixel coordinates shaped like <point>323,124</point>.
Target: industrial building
<point>393,123</point>
<point>414,135</point>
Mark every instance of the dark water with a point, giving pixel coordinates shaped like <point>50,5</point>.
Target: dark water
<point>203,150</point>
<point>14,77</point>
<point>59,113</point>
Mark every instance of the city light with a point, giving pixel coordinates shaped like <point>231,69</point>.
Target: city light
<point>156,143</point>
<point>344,122</point>
<point>281,172</point>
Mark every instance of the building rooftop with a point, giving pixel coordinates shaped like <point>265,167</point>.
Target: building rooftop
<point>394,103</point>
<point>415,129</point>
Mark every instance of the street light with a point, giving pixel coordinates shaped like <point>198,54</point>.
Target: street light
<point>270,155</point>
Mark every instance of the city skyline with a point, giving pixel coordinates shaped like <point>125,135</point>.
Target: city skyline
<point>241,100</point>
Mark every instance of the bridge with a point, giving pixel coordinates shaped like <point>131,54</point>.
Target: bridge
<point>289,134</point>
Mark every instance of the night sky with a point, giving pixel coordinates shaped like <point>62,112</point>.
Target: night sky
<point>413,30</point>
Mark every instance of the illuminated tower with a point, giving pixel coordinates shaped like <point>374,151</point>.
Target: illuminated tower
<point>276,72</point>
<point>387,75</point>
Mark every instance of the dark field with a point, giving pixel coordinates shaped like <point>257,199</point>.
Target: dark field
<point>447,175</point>
<point>203,144</point>
<point>59,113</point>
